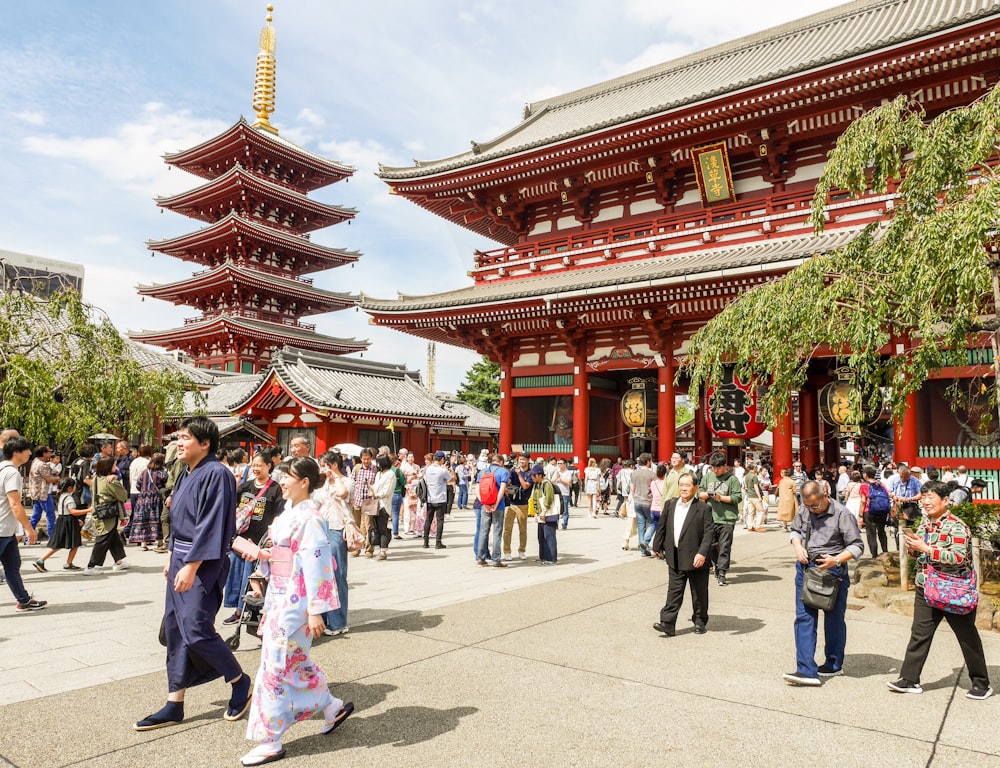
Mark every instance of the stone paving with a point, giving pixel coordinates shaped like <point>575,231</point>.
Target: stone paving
<point>454,665</point>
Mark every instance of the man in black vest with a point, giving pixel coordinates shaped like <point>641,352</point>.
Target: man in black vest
<point>684,539</point>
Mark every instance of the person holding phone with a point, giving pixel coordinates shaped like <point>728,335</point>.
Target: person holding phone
<point>289,686</point>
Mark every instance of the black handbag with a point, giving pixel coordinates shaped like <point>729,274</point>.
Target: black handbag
<point>107,511</point>
<point>819,588</point>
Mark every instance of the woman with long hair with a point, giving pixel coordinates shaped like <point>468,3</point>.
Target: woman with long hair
<point>381,490</point>
<point>148,504</point>
<point>332,498</point>
<point>591,485</point>
<point>289,686</point>
<point>258,503</point>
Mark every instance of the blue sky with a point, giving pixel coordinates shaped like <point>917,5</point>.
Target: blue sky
<point>95,92</point>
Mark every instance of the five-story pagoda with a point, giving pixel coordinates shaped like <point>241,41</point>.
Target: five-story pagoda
<point>256,247</point>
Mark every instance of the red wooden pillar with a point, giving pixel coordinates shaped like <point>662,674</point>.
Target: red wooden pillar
<point>702,434</point>
<point>905,433</point>
<point>781,450</point>
<point>831,445</point>
<point>506,407</point>
<point>808,427</point>
<point>581,411</point>
<point>665,404</point>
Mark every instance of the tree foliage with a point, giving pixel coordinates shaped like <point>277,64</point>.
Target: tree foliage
<point>920,277</point>
<point>66,373</point>
<point>481,387</point>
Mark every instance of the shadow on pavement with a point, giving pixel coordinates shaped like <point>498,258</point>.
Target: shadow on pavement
<point>93,607</point>
<point>733,624</point>
<point>378,621</point>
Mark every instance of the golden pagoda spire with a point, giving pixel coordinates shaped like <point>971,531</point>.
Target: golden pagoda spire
<point>263,86</point>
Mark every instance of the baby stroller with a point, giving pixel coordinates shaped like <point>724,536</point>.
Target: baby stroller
<point>254,592</point>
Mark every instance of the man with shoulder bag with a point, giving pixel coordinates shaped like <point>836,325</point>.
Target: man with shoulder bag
<point>825,536</point>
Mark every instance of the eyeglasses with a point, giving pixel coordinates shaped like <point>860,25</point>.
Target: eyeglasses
<point>817,505</point>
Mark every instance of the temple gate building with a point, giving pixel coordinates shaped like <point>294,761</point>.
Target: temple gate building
<point>630,212</point>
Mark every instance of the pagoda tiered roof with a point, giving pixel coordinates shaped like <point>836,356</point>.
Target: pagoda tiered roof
<point>242,191</point>
<point>239,239</point>
<point>265,153</point>
<point>232,282</point>
<point>204,331</point>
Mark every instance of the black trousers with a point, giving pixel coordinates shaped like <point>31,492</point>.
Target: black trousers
<point>697,581</point>
<point>722,546</point>
<point>875,531</point>
<point>925,622</point>
<point>109,542</point>
<point>434,511</point>
<point>379,534</point>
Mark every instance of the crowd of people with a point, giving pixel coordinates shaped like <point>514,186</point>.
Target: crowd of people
<point>301,518</point>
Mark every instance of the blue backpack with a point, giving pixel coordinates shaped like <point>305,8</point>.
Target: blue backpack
<point>878,499</point>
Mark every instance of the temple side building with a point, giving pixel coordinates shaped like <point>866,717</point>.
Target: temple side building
<point>629,213</point>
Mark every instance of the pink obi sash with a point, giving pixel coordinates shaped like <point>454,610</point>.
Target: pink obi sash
<point>281,562</point>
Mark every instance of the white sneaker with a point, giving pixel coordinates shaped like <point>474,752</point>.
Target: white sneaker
<point>121,565</point>
<point>91,570</point>
<point>522,556</point>
<point>508,557</point>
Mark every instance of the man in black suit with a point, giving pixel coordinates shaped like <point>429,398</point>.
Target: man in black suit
<point>684,539</point>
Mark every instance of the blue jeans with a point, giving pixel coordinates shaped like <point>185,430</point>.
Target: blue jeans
<point>10,558</point>
<point>338,619</point>
<point>397,503</point>
<point>565,509</point>
<point>547,550</point>
<point>641,521</point>
<point>478,509</point>
<point>47,506</point>
<point>654,519</point>
<point>236,581</point>
<point>834,628</point>
<point>486,520</point>
<point>463,495</point>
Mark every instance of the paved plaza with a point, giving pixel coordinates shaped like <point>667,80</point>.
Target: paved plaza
<point>454,665</point>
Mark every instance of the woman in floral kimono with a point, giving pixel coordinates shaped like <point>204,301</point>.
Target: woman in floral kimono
<point>289,686</point>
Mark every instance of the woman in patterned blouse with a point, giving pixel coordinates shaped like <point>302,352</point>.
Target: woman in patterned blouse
<point>942,541</point>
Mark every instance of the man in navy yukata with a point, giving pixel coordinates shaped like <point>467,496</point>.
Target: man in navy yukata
<point>203,524</point>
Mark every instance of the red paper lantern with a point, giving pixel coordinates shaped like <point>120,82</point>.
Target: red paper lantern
<point>731,409</point>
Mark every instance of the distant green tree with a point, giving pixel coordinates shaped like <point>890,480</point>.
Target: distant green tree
<point>481,387</point>
<point>66,373</point>
<point>682,415</point>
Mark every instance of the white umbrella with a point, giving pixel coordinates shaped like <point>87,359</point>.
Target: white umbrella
<point>348,449</point>
<point>103,436</point>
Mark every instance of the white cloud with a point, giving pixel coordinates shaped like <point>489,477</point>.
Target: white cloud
<point>131,155</point>
<point>307,115</point>
<point>31,117</point>
<point>104,239</point>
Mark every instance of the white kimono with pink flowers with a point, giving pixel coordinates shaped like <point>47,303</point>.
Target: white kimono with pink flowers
<point>289,686</point>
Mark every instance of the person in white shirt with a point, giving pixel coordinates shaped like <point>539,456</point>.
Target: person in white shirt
<point>683,539</point>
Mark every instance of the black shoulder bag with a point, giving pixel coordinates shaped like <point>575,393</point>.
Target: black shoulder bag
<point>819,588</point>
<point>107,510</point>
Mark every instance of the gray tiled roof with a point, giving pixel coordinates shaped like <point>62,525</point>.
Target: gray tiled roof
<point>154,359</point>
<point>335,383</point>
<point>824,38</point>
<point>475,418</point>
<point>682,268</point>
<point>223,395</point>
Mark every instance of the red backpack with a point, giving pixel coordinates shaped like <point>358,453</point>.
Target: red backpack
<point>488,490</point>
